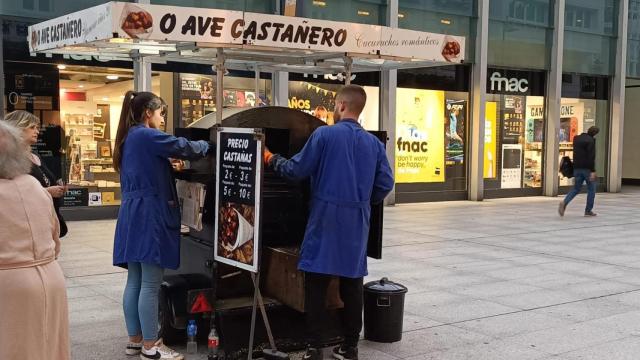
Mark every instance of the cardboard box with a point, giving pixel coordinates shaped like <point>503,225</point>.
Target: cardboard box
<point>284,282</point>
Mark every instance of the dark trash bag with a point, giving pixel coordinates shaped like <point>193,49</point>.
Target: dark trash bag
<point>566,167</point>
<point>383,310</point>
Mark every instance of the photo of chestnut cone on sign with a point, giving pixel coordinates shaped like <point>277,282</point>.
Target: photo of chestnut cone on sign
<point>235,232</point>
<point>451,49</point>
<point>136,22</point>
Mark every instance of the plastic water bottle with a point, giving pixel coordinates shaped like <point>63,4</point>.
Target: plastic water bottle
<point>213,341</point>
<point>192,331</point>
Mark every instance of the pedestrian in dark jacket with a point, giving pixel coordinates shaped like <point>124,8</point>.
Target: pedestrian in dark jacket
<point>584,170</point>
<point>349,170</point>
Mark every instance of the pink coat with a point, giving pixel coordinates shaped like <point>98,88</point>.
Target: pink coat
<point>34,317</point>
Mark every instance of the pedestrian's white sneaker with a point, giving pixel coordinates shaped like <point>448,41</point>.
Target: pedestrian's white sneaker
<point>133,348</point>
<point>160,351</point>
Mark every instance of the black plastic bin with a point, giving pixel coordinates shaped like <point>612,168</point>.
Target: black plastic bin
<point>383,310</point>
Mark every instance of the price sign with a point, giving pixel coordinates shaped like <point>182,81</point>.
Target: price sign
<point>238,180</point>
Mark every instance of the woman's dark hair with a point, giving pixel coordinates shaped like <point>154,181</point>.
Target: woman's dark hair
<point>134,106</point>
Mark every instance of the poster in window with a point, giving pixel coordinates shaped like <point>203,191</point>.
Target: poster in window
<point>318,99</point>
<point>511,177</point>
<point>534,135</point>
<point>513,120</point>
<point>455,122</point>
<point>238,181</point>
<point>571,124</point>
<point>571,121</point>
<point>490,136</point>
<point>420,134</point>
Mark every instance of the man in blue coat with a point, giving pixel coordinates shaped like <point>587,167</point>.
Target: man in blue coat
<point>349,170</point>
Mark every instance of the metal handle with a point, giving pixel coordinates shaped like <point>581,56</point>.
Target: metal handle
<point>384,301</point>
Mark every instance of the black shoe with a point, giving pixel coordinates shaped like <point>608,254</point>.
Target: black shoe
<point>343,352</point>
<point>312,354</point>
<point>561,208</point>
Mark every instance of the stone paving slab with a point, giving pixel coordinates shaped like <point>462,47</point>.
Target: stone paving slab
<point>499,279</point>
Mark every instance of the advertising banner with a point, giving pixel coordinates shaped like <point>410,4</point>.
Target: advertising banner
<point>455,117</point>
<point>511,166</point>
<point>571,121</point>
<point>215,26</point>
<point>513,120</point>
<point>80,27</point>
<point>315,99</point>
<point>238,179</point>
<point>535,123</point>
<point>318,99</point>
<point>76,197</point>
<point>419,136</point>
<point>420,45</point>
<point>534,136</point>
<point>490,139</point>
<point>174,23</point>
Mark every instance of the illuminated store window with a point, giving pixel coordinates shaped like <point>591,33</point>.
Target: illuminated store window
<point>514,129</point>
<point>584,104</point>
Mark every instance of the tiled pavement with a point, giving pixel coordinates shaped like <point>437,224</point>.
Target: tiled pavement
<point>500,279</point>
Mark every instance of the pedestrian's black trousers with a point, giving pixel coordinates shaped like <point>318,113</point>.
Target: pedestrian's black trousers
<point>315,299</point>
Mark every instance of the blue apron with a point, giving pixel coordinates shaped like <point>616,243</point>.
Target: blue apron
<point>349,170</point>
<point>148,227</point>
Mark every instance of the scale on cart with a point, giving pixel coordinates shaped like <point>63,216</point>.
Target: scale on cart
<point>248,223</point>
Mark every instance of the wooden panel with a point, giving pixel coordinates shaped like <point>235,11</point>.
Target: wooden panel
<point>284,282</point>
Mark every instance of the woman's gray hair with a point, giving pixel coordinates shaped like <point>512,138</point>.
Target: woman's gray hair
<point>14,157</point>
<point>22,119</point>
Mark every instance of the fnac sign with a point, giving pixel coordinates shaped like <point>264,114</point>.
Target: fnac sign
<point>516,82</point>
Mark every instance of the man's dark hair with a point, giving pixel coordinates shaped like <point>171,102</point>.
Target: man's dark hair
<point>354,97</point>
<point>593,131</point>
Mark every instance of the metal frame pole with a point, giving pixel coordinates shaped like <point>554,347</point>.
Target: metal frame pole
<point>219,84</point>
<point>478,105</point>
<point>280,88</point>
<point>141,68</point>
<point>256,84</point>
<point>141,74</point>
<point>348,65</point>
<point>551,181</point>
<point>616,135</point>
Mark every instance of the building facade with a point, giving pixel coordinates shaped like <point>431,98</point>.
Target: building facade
<point>537,73</point>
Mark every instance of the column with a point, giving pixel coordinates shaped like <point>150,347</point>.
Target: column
<point>551,180</point>
<point>388,86</point>
<point>478,104</point>
<point>280,88</point>
<point>617,102</point>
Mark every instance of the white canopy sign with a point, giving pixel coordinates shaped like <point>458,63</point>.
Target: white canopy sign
<point>241,29</point>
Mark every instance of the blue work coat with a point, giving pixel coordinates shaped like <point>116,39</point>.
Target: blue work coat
<point>348,168</point>
<point>148,227</point>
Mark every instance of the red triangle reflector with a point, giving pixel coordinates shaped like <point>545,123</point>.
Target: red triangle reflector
<point>201,304</point>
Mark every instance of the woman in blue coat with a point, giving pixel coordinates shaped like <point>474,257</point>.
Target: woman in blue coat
<point>147,238</point>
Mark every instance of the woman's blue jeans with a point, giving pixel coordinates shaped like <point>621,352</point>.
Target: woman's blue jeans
<point>140,300</point>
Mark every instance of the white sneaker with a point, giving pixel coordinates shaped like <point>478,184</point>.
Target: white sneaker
<point>133,348</point>
<point>160,351</point>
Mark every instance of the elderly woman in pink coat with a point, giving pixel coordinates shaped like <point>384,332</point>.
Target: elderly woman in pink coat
<point>34,323</point>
